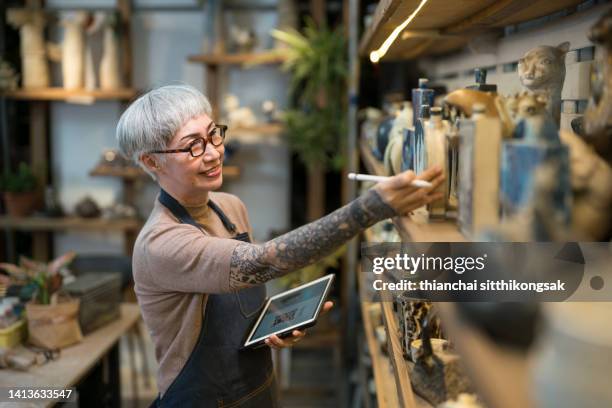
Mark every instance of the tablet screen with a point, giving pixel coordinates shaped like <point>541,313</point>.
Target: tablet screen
<point>291,309</point>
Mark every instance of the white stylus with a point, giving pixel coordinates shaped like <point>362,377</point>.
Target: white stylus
<point>378,179</point>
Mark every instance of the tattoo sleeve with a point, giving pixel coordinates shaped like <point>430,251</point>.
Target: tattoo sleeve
<point>254,264</point>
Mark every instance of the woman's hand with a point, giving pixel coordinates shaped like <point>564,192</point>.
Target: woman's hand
<point>277,343</point>
<point>398,193</point>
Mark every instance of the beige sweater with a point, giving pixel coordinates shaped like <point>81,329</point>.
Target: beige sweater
<point>175,266</point>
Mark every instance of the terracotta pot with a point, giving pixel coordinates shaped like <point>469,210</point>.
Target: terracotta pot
<point>20,204</point>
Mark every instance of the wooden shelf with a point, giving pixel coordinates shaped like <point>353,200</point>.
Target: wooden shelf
<point>264,129</point>
<point>256,58</point>
<point>128,173</point>
<point>230,172</point>
<point>442,26</point>
<point>37,223</point>
<point>60,94</point>
<point>401,366</point>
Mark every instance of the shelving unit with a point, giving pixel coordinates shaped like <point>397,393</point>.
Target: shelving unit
<point>256,58</point>
<point>38,223</point>
<point>442,26</point>
<point>61,94</point>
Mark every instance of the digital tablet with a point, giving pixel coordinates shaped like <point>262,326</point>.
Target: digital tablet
<point>294,309</point>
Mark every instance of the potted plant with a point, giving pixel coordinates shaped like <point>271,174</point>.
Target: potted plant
<point>19,190</point>
<point>52,318</point>
<point>316,127</point>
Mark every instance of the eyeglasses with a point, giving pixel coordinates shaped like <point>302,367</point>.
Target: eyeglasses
<point>198,146</point>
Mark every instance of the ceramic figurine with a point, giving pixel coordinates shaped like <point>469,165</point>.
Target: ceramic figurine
<point>237,116</point>
<point>412,315</point>
<point>382,137</point>
<point>8,76</point>
<point>243,39</point>
<point>437,149</point>
<point>393,152</point>
<point>271,111</point>
<point>421,96</point>
<point>480,75</point>
<point>534,124</point>
<point>91,29</point>
<point>598,116</point>
<point>591,181</point>
<point>73,49</point>
<point>479,161</point>
<point>542,71</point>
<point>87,208</point>
<point>110,77</point>
<point>371,120</point>
<point>34,68</point>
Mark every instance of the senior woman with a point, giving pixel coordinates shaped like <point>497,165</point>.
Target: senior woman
<point>198,278</point>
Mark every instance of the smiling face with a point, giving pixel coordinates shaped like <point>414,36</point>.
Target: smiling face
<point>188,178</point>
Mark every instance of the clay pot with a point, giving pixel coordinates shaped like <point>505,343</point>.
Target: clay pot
<point>20,204</point>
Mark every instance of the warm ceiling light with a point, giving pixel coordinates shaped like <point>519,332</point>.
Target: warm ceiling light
<point>376,55</point>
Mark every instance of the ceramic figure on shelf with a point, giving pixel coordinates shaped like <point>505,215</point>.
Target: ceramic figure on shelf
<point>591,181</point>
<point>598,116</point>
<point>421,96</point>
<point>393,152</point>
<point>73,49</point>
<point>8,77</point>
<point>436,153</point>
<point>52,206</point>
<point>87,208</point>
<point>480,75</point>
<point>110,77</point>
<point>533,122</point>
<point>271,111</point>
<point>371,120</point>
<point>243,39</point>
<point>382,137</point>
<point>542,71</point>
<point>34,68</point>
<point>92,27</point>
<point>237,116</point>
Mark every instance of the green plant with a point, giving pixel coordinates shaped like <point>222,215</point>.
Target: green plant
<point>44,278</point>
<point>20,182</point>
<point>318,63</point>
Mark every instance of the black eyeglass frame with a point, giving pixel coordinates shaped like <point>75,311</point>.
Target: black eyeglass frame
<point>222,130</point>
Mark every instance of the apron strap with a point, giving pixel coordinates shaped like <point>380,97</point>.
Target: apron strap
<point>185,218</point>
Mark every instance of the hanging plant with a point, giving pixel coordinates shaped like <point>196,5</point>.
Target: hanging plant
<point>318,63</point>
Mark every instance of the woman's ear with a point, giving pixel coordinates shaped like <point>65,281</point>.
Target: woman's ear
<point>150,162</point>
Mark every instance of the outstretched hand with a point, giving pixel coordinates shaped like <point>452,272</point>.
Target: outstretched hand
<point>277,343</point>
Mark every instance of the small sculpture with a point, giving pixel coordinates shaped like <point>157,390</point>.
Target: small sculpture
<point>598,116</point>
<point>31,23</point>
<point>393,152</point>
<point>73,49</point>
<point>421,95</point>
<point>87,208</point>
<point>480,76</point>
<point>271,111</point>
<point>238,116</point>
<point>243,39</point>
<point>110,77</point>
<point>542,71</point>
<point>8,76</point>
<point>533,122</point>
<point>92,27</point>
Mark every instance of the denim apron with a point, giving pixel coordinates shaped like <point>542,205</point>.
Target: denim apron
<point>218,373</point>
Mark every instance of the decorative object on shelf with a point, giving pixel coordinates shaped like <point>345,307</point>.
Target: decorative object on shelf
<point>438,376</point>
<point>480,75</point>
<point>287,19</point>
<point>112,157</point>
<point>119,211</point>
<point>87,208</point>
<point>8,76</point>
<point>542,71</point>
<point>463,400</point>
<point>371,120</point>
<point>92,26</point>
<point>271,111</point>
<point>598,116</point>
<point>52,206</point>
<point>437,345</point>
<point>421,96</point>
<point>73,49</point>
<point>243,40</point>
<point>238,116</point>
<point>52,317</point>
<point>412,315</point>
<point>318,63</point>
<point>591,181</point>
<point>479,163</point>
<point>533,122</point>
<point>382,137</point>
<point>393,151</point>
<point>34,67</point>
<point>110,77</point>
<point>437,153</point>
<point>19,191</point>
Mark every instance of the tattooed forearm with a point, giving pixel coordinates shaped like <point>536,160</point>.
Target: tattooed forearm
<point>254,264</point>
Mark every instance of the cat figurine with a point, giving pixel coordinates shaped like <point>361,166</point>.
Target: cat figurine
<point>542,71</point>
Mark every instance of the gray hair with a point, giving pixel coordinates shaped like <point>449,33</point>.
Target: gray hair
<point>152,120</point>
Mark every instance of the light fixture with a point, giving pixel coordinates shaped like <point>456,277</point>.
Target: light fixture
<point>376,55</point>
